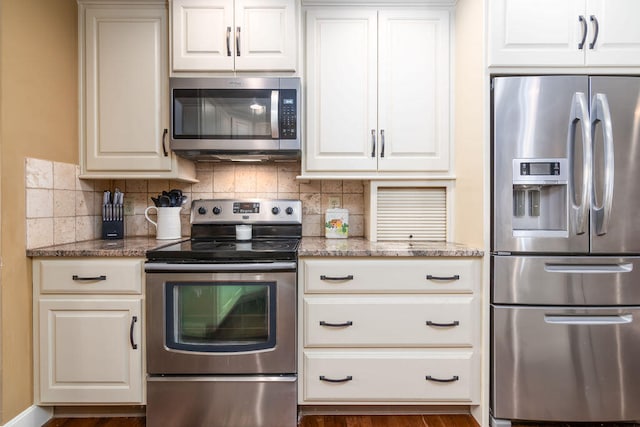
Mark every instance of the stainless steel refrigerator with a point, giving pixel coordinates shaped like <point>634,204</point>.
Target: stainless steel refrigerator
<point>565,262</point>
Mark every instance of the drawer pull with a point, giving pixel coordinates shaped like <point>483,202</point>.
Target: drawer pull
<point>337,279</point>
<point>340,380</point>
<point>442,380</point>
<point>134,319</point>
<point>336,325</point>
<point>454,277</point>
<point>443,325</point>
<point>80,279</point>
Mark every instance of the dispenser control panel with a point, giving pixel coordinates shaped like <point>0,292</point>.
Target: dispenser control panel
<point>540,171</point>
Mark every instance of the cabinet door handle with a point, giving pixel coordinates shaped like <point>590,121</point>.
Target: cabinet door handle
<point>164,143</point>
<point>337,279</point>
<point>134,319</point>
<point>373,142</point>
<point>454,277</point>
<point>339,380</point>
<point>443,325</point>
<point>88,279</point>
<point>381,142</point>
<point>228,41</point>
<point>238,41</point>
<point>442,380</point>
<point>596,28</point>
<point>336,325</point>
<point>584,32</point>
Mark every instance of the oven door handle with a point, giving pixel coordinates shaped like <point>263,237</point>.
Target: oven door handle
<point>179,268</point>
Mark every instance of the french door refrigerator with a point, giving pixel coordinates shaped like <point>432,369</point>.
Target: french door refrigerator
<point>565,261</point>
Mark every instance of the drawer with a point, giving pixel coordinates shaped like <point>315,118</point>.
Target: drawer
<point>390,376</point>
<point>89,275</point>
<point>354,275</point>
<point>389,320</point>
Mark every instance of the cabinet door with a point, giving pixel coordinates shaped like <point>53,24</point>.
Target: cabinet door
<point>202,35</point>
<point>341,90</point>
<point>87,352</point>
<point>536,32</point>
<point>618,38</point>
<point>413,84</point>
<point>126,89</point>
<point>265,35</point>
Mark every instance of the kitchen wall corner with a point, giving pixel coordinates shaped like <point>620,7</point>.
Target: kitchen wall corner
<point>61,208</point>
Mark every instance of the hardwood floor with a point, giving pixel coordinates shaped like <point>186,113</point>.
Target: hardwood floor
<point>337,421</point>
<point>307,421</point>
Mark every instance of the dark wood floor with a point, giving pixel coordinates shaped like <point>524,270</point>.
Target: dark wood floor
<point>337,421</point>
<point>307,421</point>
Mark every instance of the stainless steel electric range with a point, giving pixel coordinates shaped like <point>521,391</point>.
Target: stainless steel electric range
<point>221,318</point>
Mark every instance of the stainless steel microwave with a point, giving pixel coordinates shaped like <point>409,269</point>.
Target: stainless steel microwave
<point>235,118</point>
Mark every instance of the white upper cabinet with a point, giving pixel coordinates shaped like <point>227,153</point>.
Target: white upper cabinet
<point>566,33</point>
<point>377,92</point>
<point>124,93</point>
<point>228,35</point>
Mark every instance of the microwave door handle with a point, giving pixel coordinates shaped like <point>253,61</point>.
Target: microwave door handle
<point>275,126</point>
<point>602,114</point>
<point>580,113</point>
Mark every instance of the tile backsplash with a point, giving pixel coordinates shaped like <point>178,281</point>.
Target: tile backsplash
<point>61,208</point>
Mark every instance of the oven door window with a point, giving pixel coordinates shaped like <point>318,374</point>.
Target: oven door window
<point>220,316</point>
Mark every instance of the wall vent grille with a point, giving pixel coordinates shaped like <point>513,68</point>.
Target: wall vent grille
<point>416,213</point>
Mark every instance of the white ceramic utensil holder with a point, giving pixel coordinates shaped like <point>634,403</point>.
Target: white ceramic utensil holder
<point>168,225</point>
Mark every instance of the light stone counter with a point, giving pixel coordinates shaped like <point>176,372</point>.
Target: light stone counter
<point>127,247</point>
<point>309,246</point>
<point>358,247</point>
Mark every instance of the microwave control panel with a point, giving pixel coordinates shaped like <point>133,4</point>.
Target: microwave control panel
<point>288,114</point>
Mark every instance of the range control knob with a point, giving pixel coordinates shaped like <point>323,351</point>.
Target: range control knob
<point>216,210</point>
<point>289,210</point>
<point>275,210</point>
<point>202,210</point>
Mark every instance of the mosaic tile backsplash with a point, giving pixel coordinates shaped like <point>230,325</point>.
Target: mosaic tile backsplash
<point>61,208</point>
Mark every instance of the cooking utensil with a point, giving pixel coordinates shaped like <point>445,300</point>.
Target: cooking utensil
<point>164,201</point>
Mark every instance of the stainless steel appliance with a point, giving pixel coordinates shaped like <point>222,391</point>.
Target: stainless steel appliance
<point>565,264</point>
<point>221,318</point>
<point>236,118</point>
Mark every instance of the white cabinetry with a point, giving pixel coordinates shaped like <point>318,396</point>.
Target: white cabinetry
<point>395,331</point>
<point>88,331</point>
<point>124,118</point>
<point>566,33</point>
<point>228,35</point>
<point>377,92</point>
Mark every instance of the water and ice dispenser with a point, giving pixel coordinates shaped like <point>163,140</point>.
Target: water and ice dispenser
<point>540,198</point>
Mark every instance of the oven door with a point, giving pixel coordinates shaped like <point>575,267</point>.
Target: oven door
<point>227,319</point>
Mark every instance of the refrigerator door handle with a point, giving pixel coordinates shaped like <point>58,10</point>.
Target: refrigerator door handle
<point>602,114</point>
<point>588,268</point>
<point>580,113</point>
<point>588,319</point>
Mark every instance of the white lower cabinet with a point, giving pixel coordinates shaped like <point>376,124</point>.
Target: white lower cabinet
<point>355,376</point>
<point>389,331</point>
<point>88,331</point>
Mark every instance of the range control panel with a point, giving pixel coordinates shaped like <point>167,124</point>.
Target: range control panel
<point>247,211</point>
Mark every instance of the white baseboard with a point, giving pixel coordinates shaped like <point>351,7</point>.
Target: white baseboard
<point>33,416</point>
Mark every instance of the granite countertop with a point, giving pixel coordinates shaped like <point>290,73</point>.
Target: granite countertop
<point>309,246</point>
<point>319,246</point>
<point>127,247</point>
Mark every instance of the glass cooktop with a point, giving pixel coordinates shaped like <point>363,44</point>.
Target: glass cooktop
<point>227,250</point>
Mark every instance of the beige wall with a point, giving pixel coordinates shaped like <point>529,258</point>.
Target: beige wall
<point>469,125</point>
<point>39,118</point>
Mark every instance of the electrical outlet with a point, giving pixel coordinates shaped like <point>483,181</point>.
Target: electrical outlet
<point>334,201</point>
